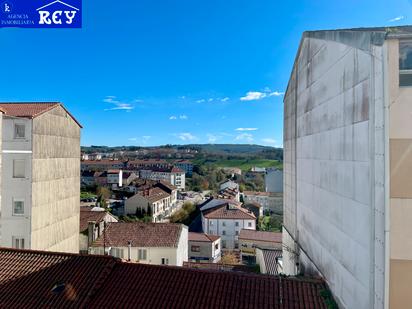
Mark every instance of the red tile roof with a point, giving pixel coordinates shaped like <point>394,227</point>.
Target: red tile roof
<point>34,279</point>
<point>154,194</point>
<point>30,109</point>
<point>225,212</point>
<point>260,236</point>
<point>118,234</point>
<point>86,215</point>
<point>202,237</point>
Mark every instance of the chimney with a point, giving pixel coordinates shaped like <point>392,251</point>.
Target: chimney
<point>90,232</point>
<point>129,249</point>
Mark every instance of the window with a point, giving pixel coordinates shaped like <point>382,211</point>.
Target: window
<point>19,168</point>
<point>18,242</point>
<point>19,130</point>
<point>223,232</point>
<point>210,222</point>
<point>223,243</point>
<point>195,248</point>
<point>217,246</point>
<point>18,207</point>
<point>165,261</point>
<point>237,233</point>
<point>142,254</point>
<point>405,63</point>
<point>223,223</point>
<point>249,224</point>
<point>236,223</point>
<point>236,245</point>
<point>116,252</point>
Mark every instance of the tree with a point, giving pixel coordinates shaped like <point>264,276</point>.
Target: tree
<point>229,258</point>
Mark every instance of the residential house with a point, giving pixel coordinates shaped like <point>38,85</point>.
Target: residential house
<point>173,175</point>
<point>102,165</point>
<point>226,218</point>
<point>229,184</point>
<point>154,202</point>
<point>92,221</point>
<point>232,171</point>
<point>141,164</point>
<point>40,177</point>
<point>255,208</point>
<point>204,248</point>
<point>114,178</point>
<point>269,261</point>
<point>148,243</point>
<point>347,164</point>
<point>230,194</point>
<point>249,240</point>
<point>87,178</point>
<point>128,177</point>
<point>274,180</point>
<point>271,202</point>
<point>89,281</point>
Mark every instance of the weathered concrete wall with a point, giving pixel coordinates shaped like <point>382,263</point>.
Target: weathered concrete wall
<point>332,164</point>
<point>56,182</point>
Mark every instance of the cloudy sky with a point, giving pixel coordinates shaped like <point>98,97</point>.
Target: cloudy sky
<point>147,72</point>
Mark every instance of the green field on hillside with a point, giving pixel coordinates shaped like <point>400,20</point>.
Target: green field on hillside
<point>247,164</point>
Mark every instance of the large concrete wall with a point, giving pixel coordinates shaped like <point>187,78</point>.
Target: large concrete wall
<point>56,182</point>
<point>334,165</point>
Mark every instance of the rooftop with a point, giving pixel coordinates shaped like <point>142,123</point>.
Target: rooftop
<point>87,214</point>
<point>154,194</point>
<point>34,279</point>
<point>260,236</point>
<point>270,257</point>
<point>226,211</point>
<point>30,109</point>
<point>118,234</point>
<point>202,237</point>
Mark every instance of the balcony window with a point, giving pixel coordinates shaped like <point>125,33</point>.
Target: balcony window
<point>19,130</point>
<point>195,248</point>
<point>405,63</point>
<point>18,207</point>
<point>19,167</point>
<point>142,254</point>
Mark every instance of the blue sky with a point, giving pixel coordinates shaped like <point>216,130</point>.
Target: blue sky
<point>147,72</point>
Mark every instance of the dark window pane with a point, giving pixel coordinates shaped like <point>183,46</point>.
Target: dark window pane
<point>405,79</point>
<point>405,55</point>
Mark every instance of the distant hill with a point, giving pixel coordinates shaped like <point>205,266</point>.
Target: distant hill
<point>232,148</point>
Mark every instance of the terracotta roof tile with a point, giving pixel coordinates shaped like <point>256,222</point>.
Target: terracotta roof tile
<point>30,109</point>
<point>27,279</point>
<point>225,212</point>
<point>118,234</point>
<point>260,236</point>
<point>86,215</point>
<point>202,237</point>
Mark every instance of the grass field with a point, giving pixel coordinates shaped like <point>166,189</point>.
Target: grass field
<point>247,164</point>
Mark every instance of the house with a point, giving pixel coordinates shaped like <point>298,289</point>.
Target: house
<point>128,177</point>
<point>154,202</point>
<point>249,240</point>
<point>204,248</point>
<point>92,221</point>
<point>173,175</point>
<point>89,281</point>
<point>40,177</point>
<point>232,171</point>
<point>274,180</point>
<point>347,164</point>
<point>255,208</point>
<point>149,243</point>
<point>102,165</point>
<point>87,178</point>
<point>270,202</point>
<point>226,218</point>
<point>269,261</point>
<point>142,164</point>
<point>114,178</point>
<point>229,184</point>
<point>230,194</point>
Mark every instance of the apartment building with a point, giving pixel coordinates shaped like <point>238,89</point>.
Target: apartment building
<point>173,175</point>
<point>204,248</point>
<point>147,243</point>
<point>40,177</point>
<point>273,180</point>
<point>226,219</point>
<point>154,201</point>
<point>347,164</point>
<point>268,200</point>
<point>102,165</point>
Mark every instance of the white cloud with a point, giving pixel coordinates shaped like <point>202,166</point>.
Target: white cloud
<point>201,101</point>
<point>269,141</point>
<point>247,137</point>
<point>258,95</point>
<point>186,136</point>
<point>225,99</point>
<point>246,129</point>
<point>132,139</point>
<point>212,138</point>
<point>146,137</point>
<point>182,97</point>
<point>253,95</point>
<point>398,18</point>
<point>276,94</point>
<point>172,118</point>
<point>210,100</point>
<point>183,117</point>
<point>118,105</point>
